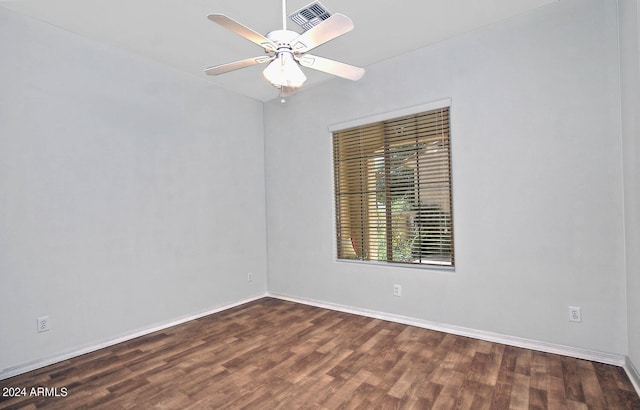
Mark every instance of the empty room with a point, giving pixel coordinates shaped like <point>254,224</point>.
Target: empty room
<point>320,204</point>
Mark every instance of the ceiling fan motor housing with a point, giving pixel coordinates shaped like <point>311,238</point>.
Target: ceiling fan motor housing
<point>282,38</point>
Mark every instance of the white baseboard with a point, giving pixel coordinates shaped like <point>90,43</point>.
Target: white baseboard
<point>46,361</point>
<point>601,357</point>
<point>633,374</point>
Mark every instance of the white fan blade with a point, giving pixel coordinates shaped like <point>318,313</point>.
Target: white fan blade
<point>241,30</point>
<point>225,68</point>
<point>331,66</point>
<point>334,26</point>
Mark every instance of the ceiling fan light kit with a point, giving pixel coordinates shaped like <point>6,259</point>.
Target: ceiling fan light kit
<point>284,72</point>
<point>287,50</point>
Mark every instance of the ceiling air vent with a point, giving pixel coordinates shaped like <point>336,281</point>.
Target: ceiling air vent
<point>310,15</point>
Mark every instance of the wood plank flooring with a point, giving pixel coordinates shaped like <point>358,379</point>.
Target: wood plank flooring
<point>273,354</point>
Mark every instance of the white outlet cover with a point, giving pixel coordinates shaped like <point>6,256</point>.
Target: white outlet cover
<point>575,315</point>
<point>43,324</point>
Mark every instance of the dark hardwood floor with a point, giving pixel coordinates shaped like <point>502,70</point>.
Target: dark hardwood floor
<point>273,354</point>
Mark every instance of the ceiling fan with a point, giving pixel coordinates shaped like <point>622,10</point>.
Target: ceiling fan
<point>286,50</point>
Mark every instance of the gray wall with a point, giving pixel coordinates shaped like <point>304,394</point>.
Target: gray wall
<point>629,11</point>
<point>537,181</point>
<point>131,195</point>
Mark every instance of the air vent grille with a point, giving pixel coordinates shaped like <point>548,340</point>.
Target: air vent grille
<point>310,15</point>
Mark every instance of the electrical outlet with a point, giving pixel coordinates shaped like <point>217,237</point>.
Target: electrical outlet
<point>397,290</point>
<point>574,314</point>
<point>43,324</point>
<point>250,277</point>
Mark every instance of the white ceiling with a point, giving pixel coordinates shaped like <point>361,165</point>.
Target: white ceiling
<point>177,32</point>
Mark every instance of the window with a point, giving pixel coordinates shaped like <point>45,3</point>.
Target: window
<point>393,190</point>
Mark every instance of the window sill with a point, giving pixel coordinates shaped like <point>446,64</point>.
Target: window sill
<point>424,266</point>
